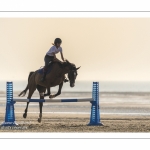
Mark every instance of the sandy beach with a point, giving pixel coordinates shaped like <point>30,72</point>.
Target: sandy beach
<point>120,112</point>
<point>78,123</point>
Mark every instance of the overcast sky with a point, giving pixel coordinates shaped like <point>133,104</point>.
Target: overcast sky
<point>111,49</point>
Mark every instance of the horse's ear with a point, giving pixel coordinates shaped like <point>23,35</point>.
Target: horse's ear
<point>78,68</point>
<point>67,61</point>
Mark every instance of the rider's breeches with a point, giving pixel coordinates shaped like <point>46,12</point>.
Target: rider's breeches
<point>48,59</point>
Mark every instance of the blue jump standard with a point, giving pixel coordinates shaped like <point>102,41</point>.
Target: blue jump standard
<point>10,113</point>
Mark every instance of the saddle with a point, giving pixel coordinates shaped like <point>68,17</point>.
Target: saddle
<point>41,70</point>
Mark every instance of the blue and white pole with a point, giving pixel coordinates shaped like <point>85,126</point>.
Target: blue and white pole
<point>10,114</point>
<point>95,110</point>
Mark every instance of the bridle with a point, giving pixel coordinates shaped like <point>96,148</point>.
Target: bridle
<point>72,72</point>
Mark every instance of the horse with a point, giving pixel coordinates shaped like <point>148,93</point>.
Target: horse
<point>54,78</point>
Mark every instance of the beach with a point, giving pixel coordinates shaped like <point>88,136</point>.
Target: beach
<point>78,123</point>
<point>119,111</point>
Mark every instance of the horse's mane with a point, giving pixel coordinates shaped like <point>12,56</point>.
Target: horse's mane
<point>66,63</point>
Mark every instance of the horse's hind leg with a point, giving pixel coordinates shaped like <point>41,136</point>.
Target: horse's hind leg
<point>40,107</point>
<point>31,91</point>
<point>41,92</point>
<point>25,111</point>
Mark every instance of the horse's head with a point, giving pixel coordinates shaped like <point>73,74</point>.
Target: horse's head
<point>72,74</point>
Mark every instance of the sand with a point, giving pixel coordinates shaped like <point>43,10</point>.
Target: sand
<point>134,106</point>
<point>78,123</point>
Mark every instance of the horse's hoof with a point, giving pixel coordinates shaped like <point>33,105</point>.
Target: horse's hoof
<point>51,96</point>
<point>24,115</point>
<point>39,120</point>
<point>45,95</point>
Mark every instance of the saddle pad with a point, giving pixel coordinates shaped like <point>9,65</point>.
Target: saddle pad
<point>40,71</point>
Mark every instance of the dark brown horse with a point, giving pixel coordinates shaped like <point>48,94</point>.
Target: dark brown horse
<point>54,78</point>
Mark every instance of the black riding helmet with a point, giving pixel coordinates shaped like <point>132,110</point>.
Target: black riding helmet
<point>57,40</point>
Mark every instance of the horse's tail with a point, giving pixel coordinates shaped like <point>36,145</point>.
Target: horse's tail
<point>23,93</point>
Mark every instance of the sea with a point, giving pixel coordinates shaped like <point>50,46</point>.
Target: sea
<point>115,98</point>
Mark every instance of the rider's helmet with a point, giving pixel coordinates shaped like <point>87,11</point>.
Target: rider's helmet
<point>57,40</point>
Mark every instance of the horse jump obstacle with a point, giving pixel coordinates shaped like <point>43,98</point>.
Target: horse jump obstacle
<point>10,113</point>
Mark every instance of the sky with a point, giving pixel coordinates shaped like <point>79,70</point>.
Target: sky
<point>107,49</point>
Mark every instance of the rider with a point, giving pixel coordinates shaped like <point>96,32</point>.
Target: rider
<point>51,56</point>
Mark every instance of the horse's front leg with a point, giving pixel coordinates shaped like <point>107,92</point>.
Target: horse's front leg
<point>48,92</point>
<point>59,91</point>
